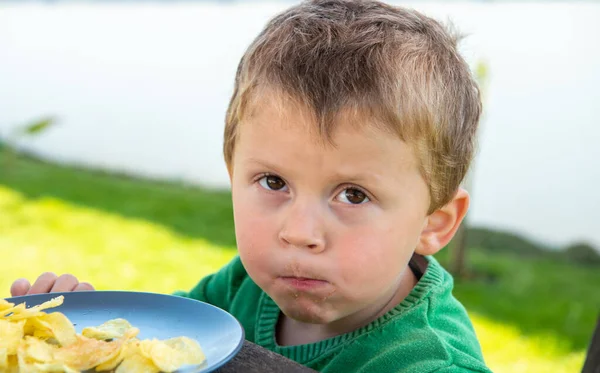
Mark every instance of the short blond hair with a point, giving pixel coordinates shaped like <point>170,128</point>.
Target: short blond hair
<point>394,64</point>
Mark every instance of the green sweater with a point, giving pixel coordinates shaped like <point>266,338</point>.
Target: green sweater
<point>429,331</point>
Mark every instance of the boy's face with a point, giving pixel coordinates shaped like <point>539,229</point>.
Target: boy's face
<point>326,231</point>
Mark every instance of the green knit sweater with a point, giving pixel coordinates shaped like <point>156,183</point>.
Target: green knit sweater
<point>429,331</point>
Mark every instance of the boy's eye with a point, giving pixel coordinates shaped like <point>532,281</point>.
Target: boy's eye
<point>271,182</point>
<point>352,196</point>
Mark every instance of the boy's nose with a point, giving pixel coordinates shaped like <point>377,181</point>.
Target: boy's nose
<point>303,228</point>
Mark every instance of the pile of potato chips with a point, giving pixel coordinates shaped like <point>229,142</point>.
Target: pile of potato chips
<point>34,341</point>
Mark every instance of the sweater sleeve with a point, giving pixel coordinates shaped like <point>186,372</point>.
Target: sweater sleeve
<point>219,288</point>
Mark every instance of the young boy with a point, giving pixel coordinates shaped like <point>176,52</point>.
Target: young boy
<point>349,132</point>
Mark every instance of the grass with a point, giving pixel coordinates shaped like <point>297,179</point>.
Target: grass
<point>531,314</point>
<point>115,232</point>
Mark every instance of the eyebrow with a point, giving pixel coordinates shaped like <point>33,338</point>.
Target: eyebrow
<point>262,163</point>
<point>357,178</point>
<point>343,177</point>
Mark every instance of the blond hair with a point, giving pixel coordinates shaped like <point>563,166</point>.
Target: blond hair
<point>396,65</point>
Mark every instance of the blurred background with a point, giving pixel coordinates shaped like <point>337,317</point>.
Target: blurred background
<point>111,120</point>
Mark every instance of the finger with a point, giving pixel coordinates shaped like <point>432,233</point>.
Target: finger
<point>84,286</point>
<point>65,282</point>
<point>20,287</point>
<point>43,284</point>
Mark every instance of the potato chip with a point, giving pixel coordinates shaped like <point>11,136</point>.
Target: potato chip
<point>188,347</point>
<point>52,325</point>
<point>21,312</point>
<point>13,364</point>
<point>52,303</point>
<point>137,364</point>
<point>8,363</point>
<point>6,313</point>
<point>146,346</point>
<point>54,368</point>
<point>32,352</point>
<point>171,354</point>
<point>26,365</point>
<point>111,329</point>
<point>4,304</point>
<point>190,350</point>
<point>36,350</point>
<point>129,348</point>
<point>87,353</point>
<point>3,359</point>
<point>11,334</point>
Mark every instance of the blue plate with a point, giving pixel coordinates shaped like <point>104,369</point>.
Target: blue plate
<point>157,316</point>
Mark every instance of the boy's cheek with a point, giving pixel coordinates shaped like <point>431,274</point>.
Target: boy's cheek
<point>372,256</point>
<point>254,238</point>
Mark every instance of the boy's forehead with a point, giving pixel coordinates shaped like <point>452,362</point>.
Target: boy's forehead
<point>276,108</point>
<point>292,132</point>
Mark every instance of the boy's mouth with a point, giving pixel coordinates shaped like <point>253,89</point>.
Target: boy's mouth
<point>303,283</point>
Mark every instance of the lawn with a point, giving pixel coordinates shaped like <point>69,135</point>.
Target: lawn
<point>531,314</point>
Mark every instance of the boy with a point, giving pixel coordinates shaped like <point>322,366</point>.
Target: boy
<point>349,132</point>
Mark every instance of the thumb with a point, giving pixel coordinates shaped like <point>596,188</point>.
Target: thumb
<point>20,287</point>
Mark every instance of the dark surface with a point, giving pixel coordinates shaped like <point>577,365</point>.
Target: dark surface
<point>255,359</point>
<point>592,362</point>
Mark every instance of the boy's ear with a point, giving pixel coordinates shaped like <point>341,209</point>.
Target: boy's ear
<point>443,223</point>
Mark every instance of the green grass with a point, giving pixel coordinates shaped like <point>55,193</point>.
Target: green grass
<point>187,211</point>
<point>115,232</point>
<point>531,314</point>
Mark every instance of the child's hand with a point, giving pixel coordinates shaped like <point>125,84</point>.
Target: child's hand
<point>48,283</point>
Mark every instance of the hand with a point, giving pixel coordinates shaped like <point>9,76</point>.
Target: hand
<point>49,283</point>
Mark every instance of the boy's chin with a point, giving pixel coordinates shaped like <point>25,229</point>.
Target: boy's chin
<point>304,317</point>
<point>306,313</point>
